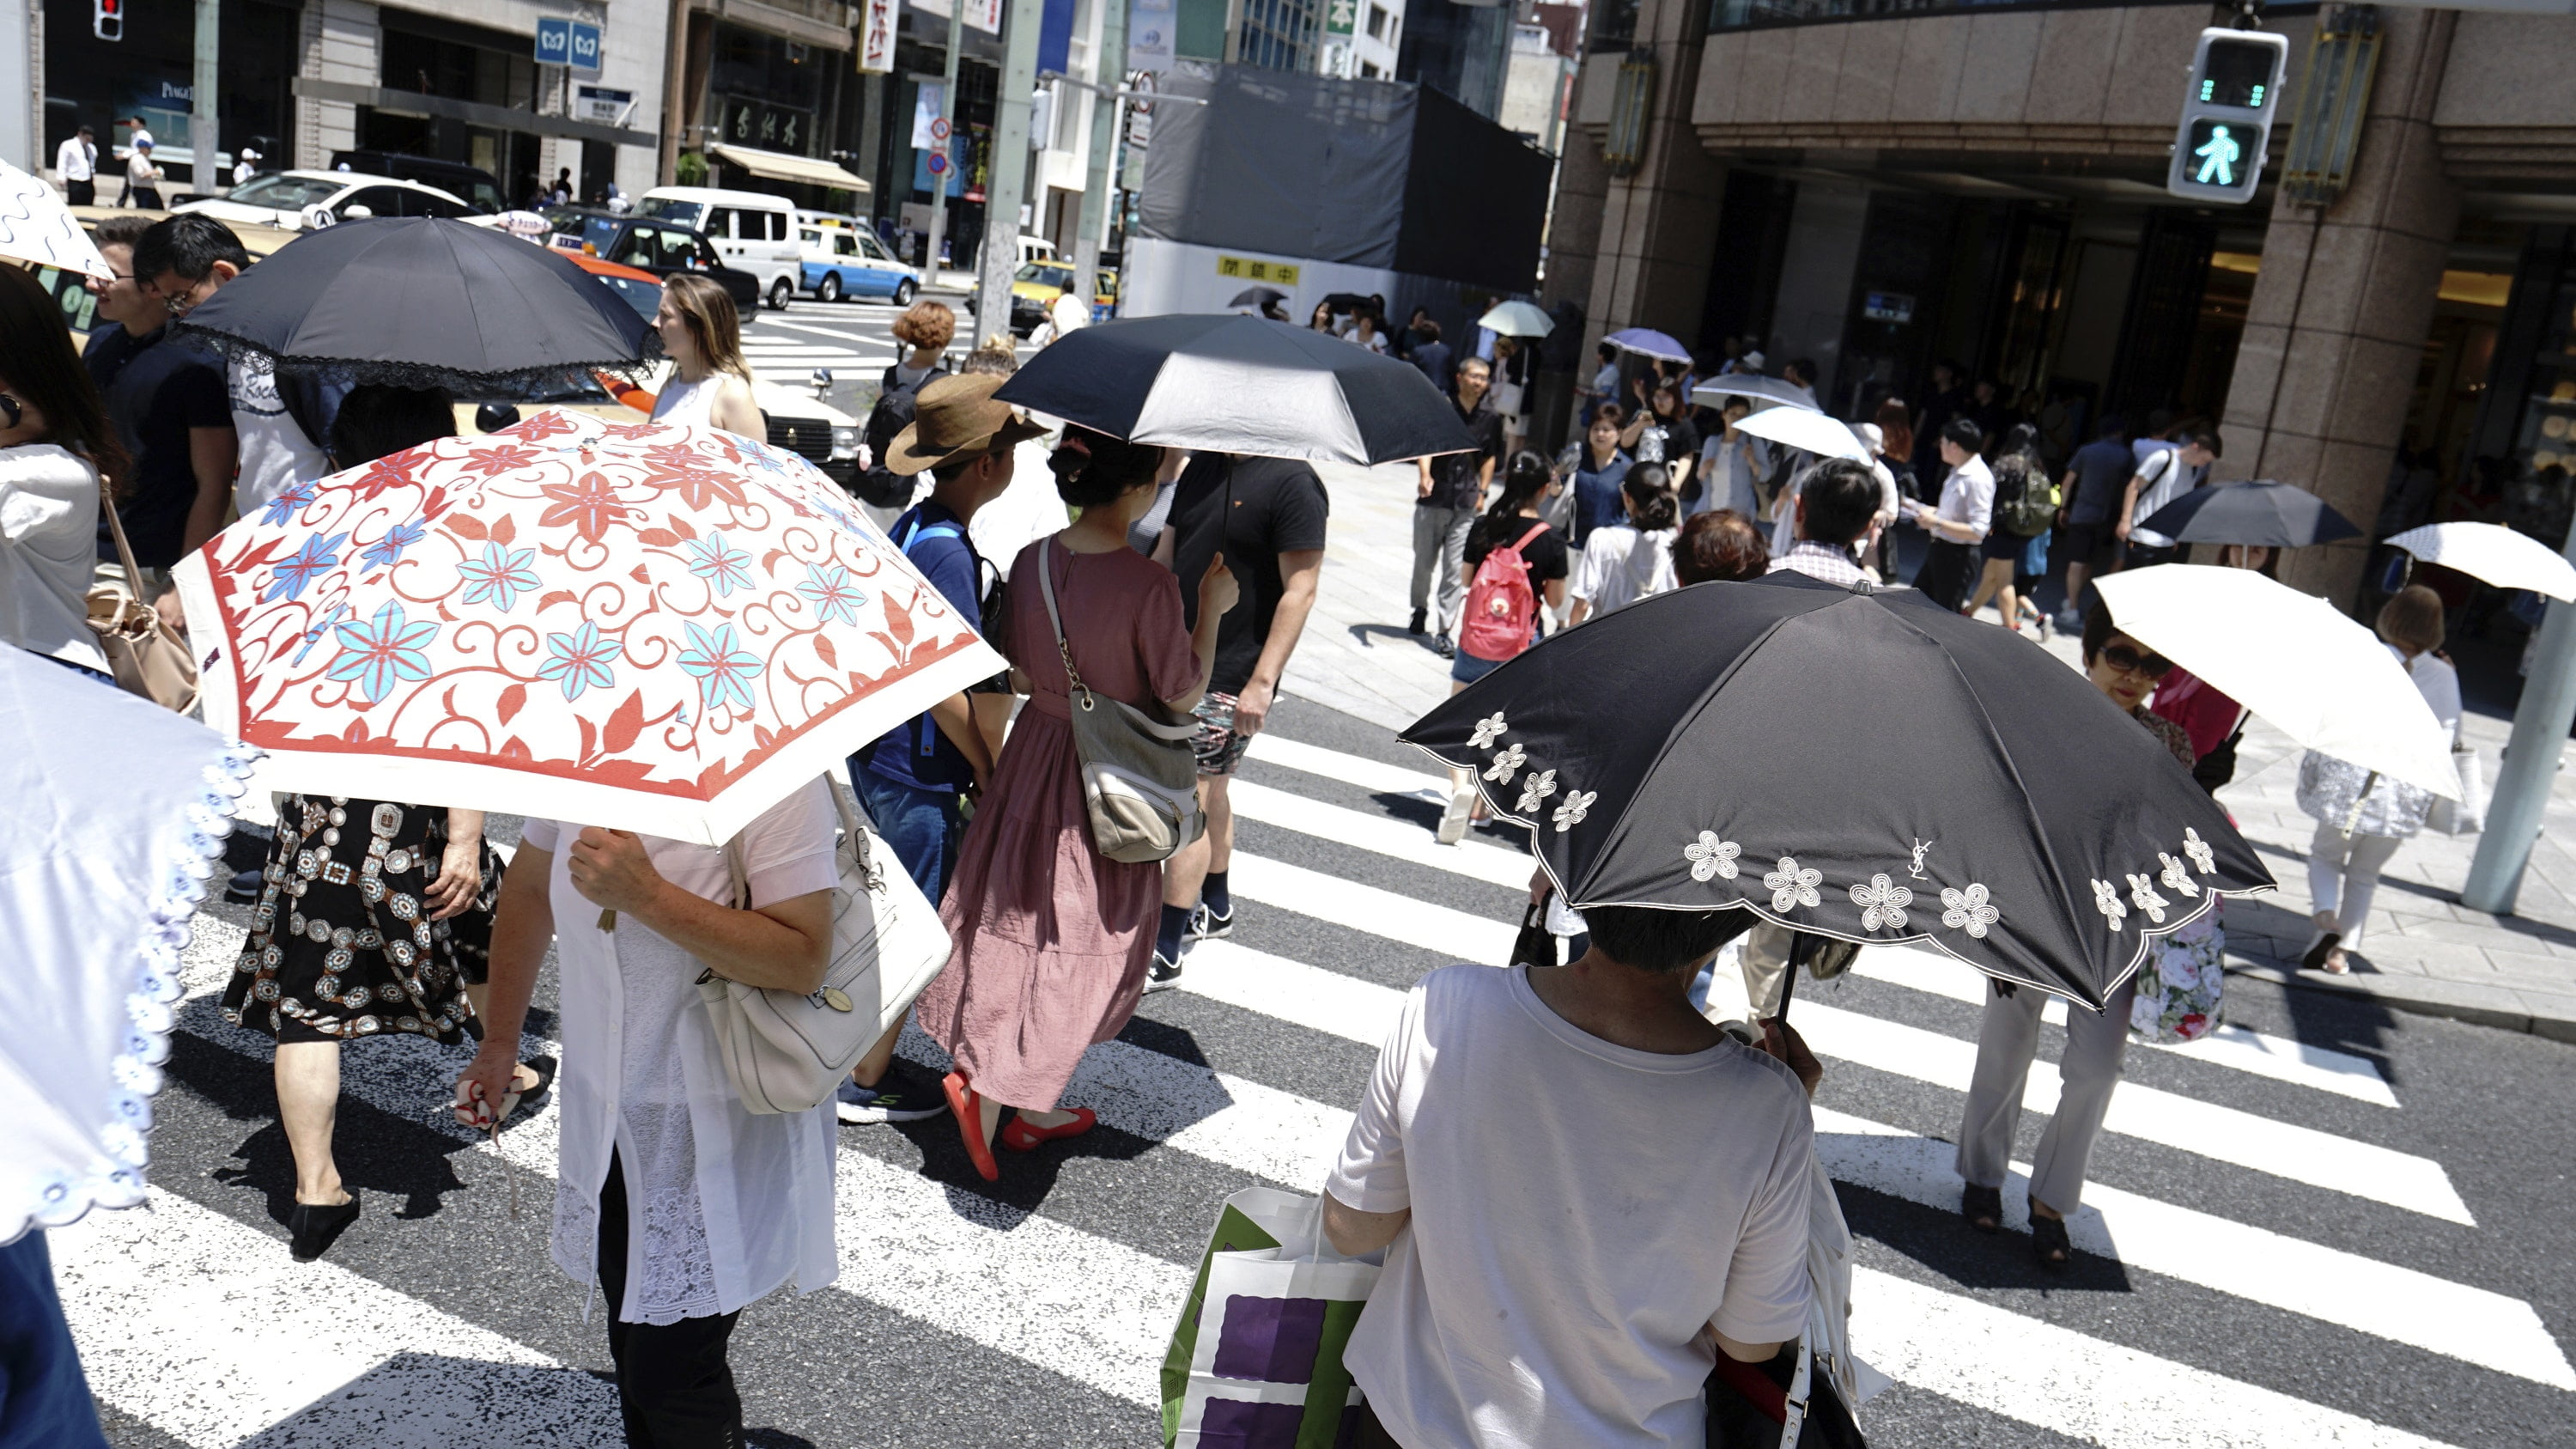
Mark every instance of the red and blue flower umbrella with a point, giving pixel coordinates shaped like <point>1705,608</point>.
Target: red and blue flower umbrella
<point>656,628</point>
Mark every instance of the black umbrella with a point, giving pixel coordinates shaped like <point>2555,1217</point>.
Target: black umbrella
<point>1867,767</point>
<point>2261,512</point>
<point>1236,384</point>
<point>423,303</point>
<point>1257,297</point>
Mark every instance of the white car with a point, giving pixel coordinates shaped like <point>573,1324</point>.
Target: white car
<point>292,200</point>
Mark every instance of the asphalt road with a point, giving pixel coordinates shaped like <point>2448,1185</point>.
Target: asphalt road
<point>851,338</point>
<point>2343,1228</point>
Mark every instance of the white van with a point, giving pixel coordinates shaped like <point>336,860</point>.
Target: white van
<point>753,231</point>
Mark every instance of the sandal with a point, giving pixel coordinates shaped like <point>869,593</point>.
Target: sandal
<point>2337,963</point>
<point>2048,1243</point>
<point>1983,1207</point>
<point>2320,951</point>
<point>1019,1136</point>
<point>968,1106</point>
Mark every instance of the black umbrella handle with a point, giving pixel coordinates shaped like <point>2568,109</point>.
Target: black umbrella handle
<point>1803,946</point>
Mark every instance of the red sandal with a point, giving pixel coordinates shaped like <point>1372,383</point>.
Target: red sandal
<point>967,1105</point>
<point>1019,1136</point>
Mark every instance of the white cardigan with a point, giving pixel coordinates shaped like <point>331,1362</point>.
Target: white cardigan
<point>48,550</point>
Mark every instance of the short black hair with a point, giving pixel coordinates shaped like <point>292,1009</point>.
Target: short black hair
<point>1429,328</point>
<point>2113,426</point>
<point>1965,433</point>
<point>376,420</point>
<point>1606,351</point>
<point>2208,441</point>
<point>1644,938</point>
<point>1841,497</point>
<point>186,246</point>
<point>120,231</point>
<point>2098,630</point>
<point>1804,368</point>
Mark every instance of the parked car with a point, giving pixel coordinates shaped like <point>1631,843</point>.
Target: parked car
<point>285,199</point>
<point>657,247</point>
<point>849,261</point>
<point>476,185</point>
<point>752,230</point>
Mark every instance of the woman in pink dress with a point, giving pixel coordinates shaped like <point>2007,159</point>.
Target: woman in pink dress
<point>1052,938</point>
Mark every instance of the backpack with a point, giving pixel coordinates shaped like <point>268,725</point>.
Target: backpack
<point>2032,508</point>
<point>878,487</point>
<point>1501,606</point>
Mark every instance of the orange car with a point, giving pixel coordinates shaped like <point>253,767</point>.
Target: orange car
<point>640,290</point>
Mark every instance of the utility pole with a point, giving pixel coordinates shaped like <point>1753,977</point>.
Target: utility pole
<point>1100,177</point>
<point>206,173</point>
<point>947,144</point>
<point>1008,184</point>
<point>2531,756</point>
<point>675,110</point>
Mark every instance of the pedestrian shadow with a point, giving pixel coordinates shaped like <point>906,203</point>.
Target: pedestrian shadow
<point>1942,1241</point>
<point>1366,636</point>
<point>425,1399</point>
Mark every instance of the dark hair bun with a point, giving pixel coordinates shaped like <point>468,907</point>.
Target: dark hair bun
<point>1093,468</point>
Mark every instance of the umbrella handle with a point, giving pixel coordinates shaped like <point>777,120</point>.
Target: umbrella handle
<point>1803,946</point>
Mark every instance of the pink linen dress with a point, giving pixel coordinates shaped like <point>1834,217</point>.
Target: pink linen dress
<point>1052,939</point>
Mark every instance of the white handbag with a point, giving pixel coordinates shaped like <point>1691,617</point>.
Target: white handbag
<point>2468,814</point>
<point>787,1052</point>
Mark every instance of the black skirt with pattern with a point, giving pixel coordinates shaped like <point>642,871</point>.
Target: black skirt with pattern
<point>341,944</point>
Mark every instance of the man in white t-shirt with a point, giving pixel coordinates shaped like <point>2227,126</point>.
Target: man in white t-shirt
<point>1586,1192</point>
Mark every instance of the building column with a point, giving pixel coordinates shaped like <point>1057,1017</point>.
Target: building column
<point>1823,258</point>
<point>342,41</point>
<point>2335,330</point>
<point>1659,226</point>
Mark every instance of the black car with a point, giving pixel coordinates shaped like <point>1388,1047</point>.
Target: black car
<point>651,245</point>
<point>471,184</point>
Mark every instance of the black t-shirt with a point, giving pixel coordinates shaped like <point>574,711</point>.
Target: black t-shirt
<point>1456,478</point>
<point>1545,554</point>
<point>1254,509</point>
<point>159,389</point>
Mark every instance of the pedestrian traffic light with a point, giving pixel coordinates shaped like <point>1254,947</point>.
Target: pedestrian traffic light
<point>107,19</point>
<point>2227,115</point>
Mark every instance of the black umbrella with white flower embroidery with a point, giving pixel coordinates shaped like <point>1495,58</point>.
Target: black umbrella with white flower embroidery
<point>1865,766</point>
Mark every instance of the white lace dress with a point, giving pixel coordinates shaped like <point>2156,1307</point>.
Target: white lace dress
<point>727,1206</point>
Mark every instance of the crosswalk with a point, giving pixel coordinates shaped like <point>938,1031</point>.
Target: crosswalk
<point>2261,1203</point>
<point>786,351</point>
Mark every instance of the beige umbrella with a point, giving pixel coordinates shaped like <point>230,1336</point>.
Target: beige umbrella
<point>36,227</point>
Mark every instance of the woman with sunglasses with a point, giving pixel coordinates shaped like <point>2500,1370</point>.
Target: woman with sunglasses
<point>2096,1042</point>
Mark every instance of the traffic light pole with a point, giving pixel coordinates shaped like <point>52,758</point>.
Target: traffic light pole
<point>206,172</point>
<point>947,145</point>
<point>2531,762</point>
<point>1006,184</point>
<point>1100,176</point>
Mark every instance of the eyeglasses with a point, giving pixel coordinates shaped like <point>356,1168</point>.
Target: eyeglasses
<point>2129,661</point>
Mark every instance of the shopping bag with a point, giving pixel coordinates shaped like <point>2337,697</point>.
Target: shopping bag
<point>2468,814</point>
<point>1256,1357</point>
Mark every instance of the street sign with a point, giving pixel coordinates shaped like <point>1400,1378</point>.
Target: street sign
<point>940,130</point>
<point>2227,115</point>
<point>602,105</point>
<point>876,37</point>
<point>566,42</point>
<point>1254,269</point>
<point>938,164</point>
<point>1341,17</point>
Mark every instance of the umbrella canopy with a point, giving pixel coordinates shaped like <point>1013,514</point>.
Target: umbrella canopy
<point>645,627</point>
<point>1806,430</point>
<point>1257,297</point>
<point>2493,554</point>
<point>1649,343</point>
<point>36,227</point>
<point>1920,777</point>
<point>423,303</point>
<point>1236,384</point>
<point>1517,319</point>
<point>2292,658</point>
<point>112,818</point>
<point>1763,390</point>
<point>2261,512</point>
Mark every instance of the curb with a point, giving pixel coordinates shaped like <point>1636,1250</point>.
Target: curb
<point>2426,999</point>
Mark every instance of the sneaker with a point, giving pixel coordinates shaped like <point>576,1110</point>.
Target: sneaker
<point>1419,619</point>
<point>903,1094</point>
<point>1207,925</point>
<point>1453,821</point>
<point>1441,646</point>
<point>2043,628</point>
<point>1163,975</point>
<point>2070,621</point>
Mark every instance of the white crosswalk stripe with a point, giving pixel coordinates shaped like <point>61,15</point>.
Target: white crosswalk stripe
<point>328,1356</point>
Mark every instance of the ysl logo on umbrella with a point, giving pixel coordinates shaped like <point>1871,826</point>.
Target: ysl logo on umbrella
<point>1916,870</point>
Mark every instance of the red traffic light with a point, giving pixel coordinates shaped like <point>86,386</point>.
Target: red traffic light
<point>107,19</point>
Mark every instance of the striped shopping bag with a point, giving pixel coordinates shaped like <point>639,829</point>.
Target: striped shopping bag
<point>1256,1358</point>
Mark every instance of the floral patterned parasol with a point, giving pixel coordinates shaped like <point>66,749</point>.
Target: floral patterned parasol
<point>655,628</point>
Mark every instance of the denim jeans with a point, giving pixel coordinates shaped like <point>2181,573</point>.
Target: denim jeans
<point>922,827</point>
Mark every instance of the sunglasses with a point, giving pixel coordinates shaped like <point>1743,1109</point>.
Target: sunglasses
<point>2129,661</point>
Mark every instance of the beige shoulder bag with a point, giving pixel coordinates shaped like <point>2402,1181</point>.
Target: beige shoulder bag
<point>146,655</point>
<point>1139,776</point>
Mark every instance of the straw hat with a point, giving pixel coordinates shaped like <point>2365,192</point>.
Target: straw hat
<point>956,417</point>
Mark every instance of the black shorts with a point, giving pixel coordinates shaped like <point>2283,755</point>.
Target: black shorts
<point>2093,545</point>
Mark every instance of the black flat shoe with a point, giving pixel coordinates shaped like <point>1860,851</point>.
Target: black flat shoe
<point>316,1226</point>
<point>2315,960</point>
<point>545,1068</point>
<point>2049,1244</point>
<point>1983,1207</point>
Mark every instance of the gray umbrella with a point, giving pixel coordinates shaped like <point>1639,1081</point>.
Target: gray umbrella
<point>1257,297</point>
<point>1715,391</point>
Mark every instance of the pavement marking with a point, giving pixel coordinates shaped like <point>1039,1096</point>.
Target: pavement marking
<point>1379,834</point>
<point>1454,934</point>
<point>2224,1134</point>
<point>832,332</point>
<point>2220,1254</point>
<point>1350,769</point>
<point>244,1346</point>
<point>2082,1387</point>
<point>2246,1050</point>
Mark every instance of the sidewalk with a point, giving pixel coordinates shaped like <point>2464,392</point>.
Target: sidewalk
<point>2424,952</point>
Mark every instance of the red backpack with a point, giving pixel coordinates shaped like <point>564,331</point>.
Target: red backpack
<point>1500,603</point>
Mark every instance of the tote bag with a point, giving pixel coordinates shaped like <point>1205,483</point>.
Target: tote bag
<point>144,654</point>
<point>1256,1358</point>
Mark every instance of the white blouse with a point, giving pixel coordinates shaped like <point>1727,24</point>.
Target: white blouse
<point>688,402</point>
<point>48,550</point>
<point>724,1206</point>
<point>1621,565</point>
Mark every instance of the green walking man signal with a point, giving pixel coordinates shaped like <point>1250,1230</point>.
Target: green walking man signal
<point>2227,115</point>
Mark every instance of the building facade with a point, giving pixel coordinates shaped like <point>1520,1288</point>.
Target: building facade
<point>1883,193</point>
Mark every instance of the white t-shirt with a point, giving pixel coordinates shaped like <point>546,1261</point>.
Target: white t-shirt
<point>1968,496</point>
<point>2167,480</point>
<point>1582,1212</point>
<point>1621,565</point>
<point>275,454</point>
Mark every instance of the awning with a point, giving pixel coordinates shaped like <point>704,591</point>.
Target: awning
<point>779,166</point>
